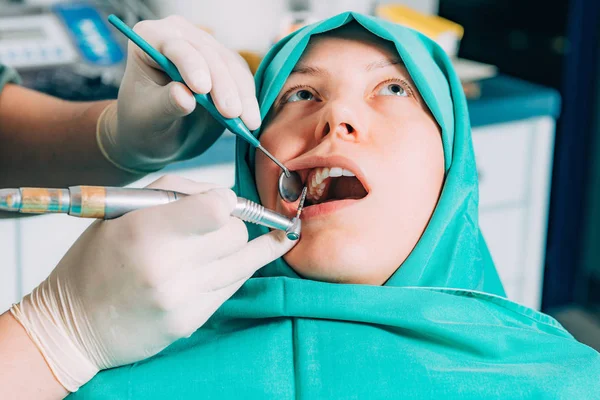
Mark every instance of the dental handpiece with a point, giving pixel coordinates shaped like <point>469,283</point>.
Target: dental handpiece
<point>111,202</point>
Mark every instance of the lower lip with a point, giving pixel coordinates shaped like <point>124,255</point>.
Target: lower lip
<point>323,209</point>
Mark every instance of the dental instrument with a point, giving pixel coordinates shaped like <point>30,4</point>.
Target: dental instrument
<point>290,187</point>
<point>302,199</point>
<point>290,183</point>
<point>111,202</point>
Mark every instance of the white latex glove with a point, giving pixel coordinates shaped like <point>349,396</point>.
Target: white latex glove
<point>156,121</point>
<point>129,287</point>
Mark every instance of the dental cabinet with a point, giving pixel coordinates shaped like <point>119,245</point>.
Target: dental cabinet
<point>513,137</point>
<point>513,134</point>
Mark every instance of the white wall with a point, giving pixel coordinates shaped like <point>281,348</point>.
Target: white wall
<point>252,24</point>
<point>337,6</point>
<point>238,24</point>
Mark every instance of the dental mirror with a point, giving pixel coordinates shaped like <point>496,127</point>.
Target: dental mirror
<point>290,186</point>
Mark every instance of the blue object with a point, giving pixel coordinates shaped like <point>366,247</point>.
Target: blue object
<point>574,161</point>
<point>505,99</point>
<point>91,34</point>
<point>235,125</point>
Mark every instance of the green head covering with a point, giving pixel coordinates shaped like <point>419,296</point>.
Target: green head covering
<point>439,327</point>
<point>437,260</point>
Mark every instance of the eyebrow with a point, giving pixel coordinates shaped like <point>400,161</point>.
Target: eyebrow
<point>308,70</point>
<point>384,63</point>
<point>315,71</point>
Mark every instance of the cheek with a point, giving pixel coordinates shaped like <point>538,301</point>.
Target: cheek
<point>410,181</point>
<point>265,169</point>
<point>265,180</point>
<point>411,140</point>
<point>417,162</point>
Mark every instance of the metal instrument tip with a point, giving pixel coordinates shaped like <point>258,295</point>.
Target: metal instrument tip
<point>302,199</point>
<point>276,161</point>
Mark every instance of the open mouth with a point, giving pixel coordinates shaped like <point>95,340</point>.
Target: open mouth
<point>334,182</point>
<point>328,184</point>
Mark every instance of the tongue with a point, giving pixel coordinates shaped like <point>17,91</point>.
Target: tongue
<point>346,187</point>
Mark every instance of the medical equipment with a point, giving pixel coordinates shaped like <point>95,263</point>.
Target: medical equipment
<point>112,202</point>
<point>34,41</point>
<point>62,35</point>
<point>235,125</point>
<point>65,50</point>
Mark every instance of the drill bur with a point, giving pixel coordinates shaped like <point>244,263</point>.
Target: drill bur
<point>302,199</point>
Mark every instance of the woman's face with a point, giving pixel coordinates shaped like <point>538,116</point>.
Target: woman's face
<point>350,108</point>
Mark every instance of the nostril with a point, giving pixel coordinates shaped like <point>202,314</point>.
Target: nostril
<point>326,129</point>
<point>349,128</point>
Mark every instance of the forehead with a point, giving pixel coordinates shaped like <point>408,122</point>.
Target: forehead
<point>350,48</point>
<point>351,39</point>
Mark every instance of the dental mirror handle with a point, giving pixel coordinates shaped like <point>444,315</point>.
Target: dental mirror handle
<point>235,125</point>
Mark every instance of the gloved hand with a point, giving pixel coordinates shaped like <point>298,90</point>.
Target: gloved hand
<point>129,287</point>
<point>156,121</point>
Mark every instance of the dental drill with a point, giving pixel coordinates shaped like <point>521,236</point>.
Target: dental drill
<point>112,202</point>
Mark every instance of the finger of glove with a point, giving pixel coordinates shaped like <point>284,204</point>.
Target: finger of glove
<point>162,105</point>
<point>181,185</point>
<point>245,85</point>
<point>191,64</point>
<point>210,247</point>
<point>253,256</point>
<point>224,92</point>
<point>226,272</point>
<point>186,318</point>
<point>178,101</point>
<point>196,214</point>
<point>155,33</point>
<point>186,186</point>
<point>176,287</point>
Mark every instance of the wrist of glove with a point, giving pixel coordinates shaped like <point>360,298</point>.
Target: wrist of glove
<point>108,144</point>
<point>53,328</point>
<point>140,153</point>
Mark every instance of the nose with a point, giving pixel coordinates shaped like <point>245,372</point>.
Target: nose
<point>340,120</point>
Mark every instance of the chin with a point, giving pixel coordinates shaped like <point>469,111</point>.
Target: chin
<point>328,256</point>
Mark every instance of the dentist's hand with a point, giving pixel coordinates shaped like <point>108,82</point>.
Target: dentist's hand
<point>129,287</point>
<point>156,121</point>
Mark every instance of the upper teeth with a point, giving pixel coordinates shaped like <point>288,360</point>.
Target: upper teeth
<point>323,173</point>
<point>317,184</point>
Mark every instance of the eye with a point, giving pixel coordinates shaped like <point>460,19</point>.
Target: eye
<point>300,95</point>
<point>393,89</point>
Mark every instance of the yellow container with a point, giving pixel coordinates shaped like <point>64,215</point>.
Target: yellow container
<point>445,32</point>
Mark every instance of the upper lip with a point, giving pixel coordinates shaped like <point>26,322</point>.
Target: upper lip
<point>302,165</point>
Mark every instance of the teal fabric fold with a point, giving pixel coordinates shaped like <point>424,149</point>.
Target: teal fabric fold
<point>440,327</point>
<point>8,75</point>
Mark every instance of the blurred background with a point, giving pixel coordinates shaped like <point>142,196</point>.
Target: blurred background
<point>529,70</point>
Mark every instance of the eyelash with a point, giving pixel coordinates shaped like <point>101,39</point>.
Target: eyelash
<point>405,85</point>
<point>293,89</point>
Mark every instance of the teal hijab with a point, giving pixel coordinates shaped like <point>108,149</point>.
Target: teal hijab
<point>439,328</point>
